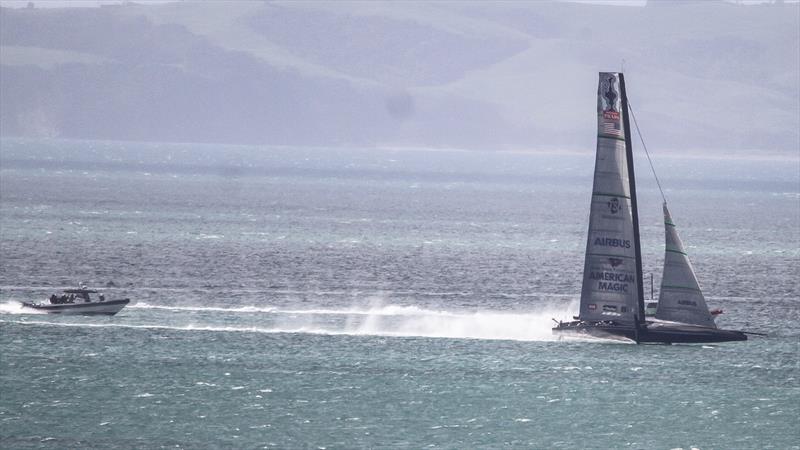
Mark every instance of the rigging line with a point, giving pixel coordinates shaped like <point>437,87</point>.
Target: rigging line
<point>639,133</point>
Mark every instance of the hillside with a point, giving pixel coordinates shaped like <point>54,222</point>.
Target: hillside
<point>707,76</point>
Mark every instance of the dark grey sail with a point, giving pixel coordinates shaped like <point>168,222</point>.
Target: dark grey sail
<point>680,299</point>
<point>610,283</point>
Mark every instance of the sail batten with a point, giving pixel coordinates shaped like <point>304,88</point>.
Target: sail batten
<point>615,256</point>
<point>605,194</point>
<point>611,137</point>
<point>680,298</point>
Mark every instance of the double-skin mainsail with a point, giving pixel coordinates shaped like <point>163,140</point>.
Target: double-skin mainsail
<point>612,287</point>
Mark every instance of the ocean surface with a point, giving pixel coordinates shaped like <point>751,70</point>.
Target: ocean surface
<point>361,298</point>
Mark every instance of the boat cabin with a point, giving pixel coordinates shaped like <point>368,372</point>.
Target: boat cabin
<point>81,295</point>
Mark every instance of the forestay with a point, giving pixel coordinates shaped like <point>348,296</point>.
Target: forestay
<point>680,299</point>
<point>610,287</point>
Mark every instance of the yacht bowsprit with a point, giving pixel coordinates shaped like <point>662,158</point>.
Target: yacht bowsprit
<point>79,302</point>
<point>612,298</point>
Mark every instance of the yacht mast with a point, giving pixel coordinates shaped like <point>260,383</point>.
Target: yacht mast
<point>634,207</point>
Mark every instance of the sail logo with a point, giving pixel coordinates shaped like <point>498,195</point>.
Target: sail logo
<point>687,302</point>
<point>613,205</point>
<point>611,276</point>
<point>612,242</point>
<point>615,262</point>
<point>613,287</point>
<point>609,94</point>
<point>612,281</point>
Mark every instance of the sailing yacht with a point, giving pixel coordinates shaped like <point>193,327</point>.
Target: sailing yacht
<point>612,299</point>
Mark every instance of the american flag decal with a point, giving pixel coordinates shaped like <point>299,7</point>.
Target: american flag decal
<point>611,127</point>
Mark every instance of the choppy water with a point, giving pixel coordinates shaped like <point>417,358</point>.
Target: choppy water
<point>304,298</point>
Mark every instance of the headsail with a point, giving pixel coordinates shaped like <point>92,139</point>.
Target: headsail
<point>610,281</point>
<point>680,299</point>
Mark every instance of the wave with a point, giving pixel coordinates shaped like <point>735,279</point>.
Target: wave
<point>379,310</point>
<point>283,290</point>
<point>15,307</point>
<point>242,309</point>
<point>152,326</point>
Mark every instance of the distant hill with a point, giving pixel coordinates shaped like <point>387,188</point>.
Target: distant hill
<point>705,76</point>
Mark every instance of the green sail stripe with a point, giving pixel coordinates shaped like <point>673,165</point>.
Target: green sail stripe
<point>684,288</point>
<point>612,256</point>
<point>667,222</point>
<point>607,136</point>
<point>677,251</point>
<point>610,195</point>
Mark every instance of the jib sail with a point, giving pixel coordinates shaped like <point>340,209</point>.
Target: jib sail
<point>680,299</point>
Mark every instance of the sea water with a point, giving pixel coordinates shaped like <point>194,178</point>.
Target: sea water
<point>366,298</point>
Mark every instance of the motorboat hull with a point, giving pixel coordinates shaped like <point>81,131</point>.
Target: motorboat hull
<point>106,308</point>
<point>650,333</point>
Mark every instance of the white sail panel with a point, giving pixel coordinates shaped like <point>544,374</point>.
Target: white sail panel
<point>610,288</point>
<point>680,299</point>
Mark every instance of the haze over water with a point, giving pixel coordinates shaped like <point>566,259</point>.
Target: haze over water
<point>341,298</point>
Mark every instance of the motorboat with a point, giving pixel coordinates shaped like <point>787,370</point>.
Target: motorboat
<point>79,302</point>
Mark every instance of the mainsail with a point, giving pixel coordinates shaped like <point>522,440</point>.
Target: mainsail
<point>680,299</point>
<point>610,277</point>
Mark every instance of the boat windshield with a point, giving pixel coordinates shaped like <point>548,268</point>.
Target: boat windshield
<point>80,291</point>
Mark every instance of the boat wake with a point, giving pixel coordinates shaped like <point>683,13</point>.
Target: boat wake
<point>14,307</point>
<point>373,309</point>
<point>373,320</point>
<point>412,321</point>
<point>243,309</point>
